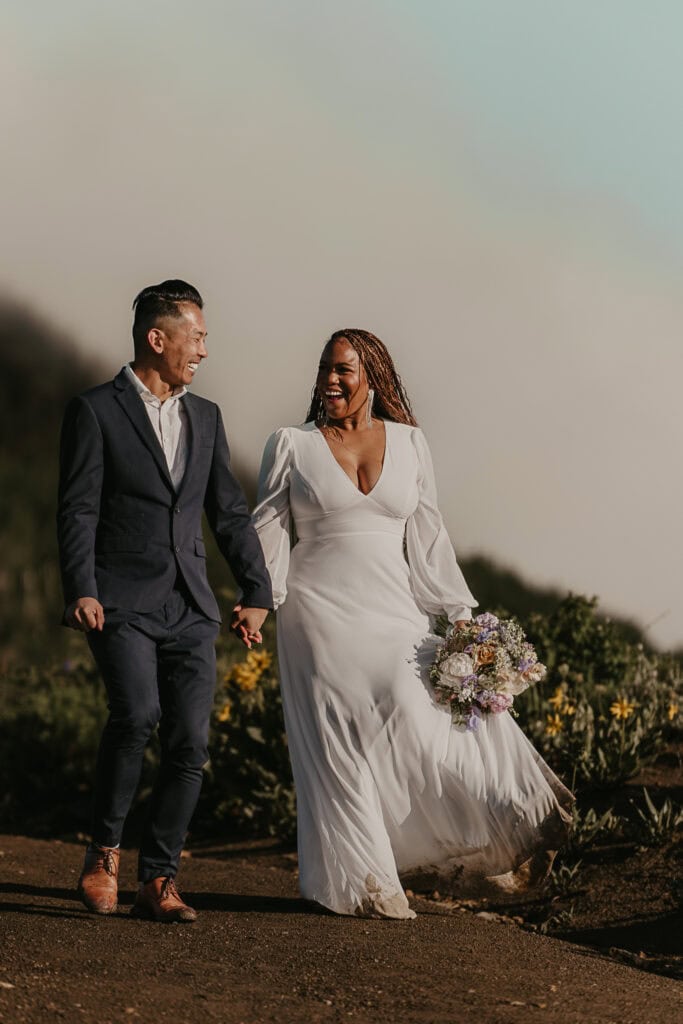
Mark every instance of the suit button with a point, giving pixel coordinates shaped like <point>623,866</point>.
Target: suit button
<point>176,509</point>
<point>177,548</point>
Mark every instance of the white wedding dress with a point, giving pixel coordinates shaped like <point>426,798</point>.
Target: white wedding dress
<point>387,787</point>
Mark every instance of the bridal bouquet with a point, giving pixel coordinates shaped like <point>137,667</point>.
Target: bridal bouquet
<point>481,668</point>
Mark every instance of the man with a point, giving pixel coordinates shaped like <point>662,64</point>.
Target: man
<point>140,458</point>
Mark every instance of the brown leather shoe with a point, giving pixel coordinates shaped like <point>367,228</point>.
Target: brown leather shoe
<point>98,884</point>
<point>159,900</point>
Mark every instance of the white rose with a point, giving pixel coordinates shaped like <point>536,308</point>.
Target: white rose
<point>535,673</point>
<point>455,667</point>
<point>510,682</point>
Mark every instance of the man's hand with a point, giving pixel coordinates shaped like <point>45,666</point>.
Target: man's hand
<point>247,623</point>
<point>85,614</point>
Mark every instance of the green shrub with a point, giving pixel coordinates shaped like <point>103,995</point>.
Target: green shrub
<point>249,783</point>
<point>655,826</point>
<point>588,828</point>
<point>51,721</point>
<point>607,707</point>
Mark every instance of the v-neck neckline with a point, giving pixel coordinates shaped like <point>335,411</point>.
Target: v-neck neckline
<point>341,469</point>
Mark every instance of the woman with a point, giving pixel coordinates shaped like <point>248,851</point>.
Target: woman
<point>386,785</point>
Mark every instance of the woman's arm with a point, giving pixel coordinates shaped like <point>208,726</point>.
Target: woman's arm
<point>271,517</point>
<point>437,580</point>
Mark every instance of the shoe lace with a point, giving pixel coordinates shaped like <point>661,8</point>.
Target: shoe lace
<point>109,862</point>
<point>168,890</point>
<point>105,859</point>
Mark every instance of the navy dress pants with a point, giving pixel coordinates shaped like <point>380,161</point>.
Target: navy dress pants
<point>159,669</point>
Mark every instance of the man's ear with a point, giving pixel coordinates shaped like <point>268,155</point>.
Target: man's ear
<point>155,340</point>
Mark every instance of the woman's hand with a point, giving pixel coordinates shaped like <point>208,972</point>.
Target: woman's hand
<point>247,622</point>
<point>461,623</point>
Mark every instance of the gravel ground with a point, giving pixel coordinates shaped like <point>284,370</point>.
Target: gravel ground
<point>259,954</point>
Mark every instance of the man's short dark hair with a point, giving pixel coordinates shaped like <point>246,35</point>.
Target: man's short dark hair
<point>159,301</point>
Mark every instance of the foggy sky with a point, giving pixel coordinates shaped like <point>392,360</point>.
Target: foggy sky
<point>492,188</point>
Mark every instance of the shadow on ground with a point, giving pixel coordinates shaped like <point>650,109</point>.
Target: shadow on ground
<point>654,945</point>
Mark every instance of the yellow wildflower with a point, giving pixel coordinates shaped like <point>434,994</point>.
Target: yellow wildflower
<point>259,660</point>
<point>225,712</point>
<point>622,708</point>
<point>672,711</point>
<point>245,676</point>
<point>553,724</point>
<point>247,673</point>
<point>568,709</point>
<point>558,700</point>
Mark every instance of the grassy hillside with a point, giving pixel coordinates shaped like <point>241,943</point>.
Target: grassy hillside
<point>42,370</point>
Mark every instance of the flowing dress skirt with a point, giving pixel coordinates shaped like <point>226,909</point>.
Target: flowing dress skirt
<point>388,790</point>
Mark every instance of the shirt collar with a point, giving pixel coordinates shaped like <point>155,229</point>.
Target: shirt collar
<point>144,392</point>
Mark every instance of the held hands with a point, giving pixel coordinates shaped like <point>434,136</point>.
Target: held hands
<point>85,614</point>
<point>247,622</point>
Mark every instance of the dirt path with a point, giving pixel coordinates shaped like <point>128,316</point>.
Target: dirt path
<point>259,954</point>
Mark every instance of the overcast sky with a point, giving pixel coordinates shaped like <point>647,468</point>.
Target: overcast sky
<point>493,187</point>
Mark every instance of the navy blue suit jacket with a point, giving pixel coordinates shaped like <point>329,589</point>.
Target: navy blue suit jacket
<point>124,531</point>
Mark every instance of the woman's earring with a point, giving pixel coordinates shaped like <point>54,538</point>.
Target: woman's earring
<point>371,398</point>
<point>319,408</point>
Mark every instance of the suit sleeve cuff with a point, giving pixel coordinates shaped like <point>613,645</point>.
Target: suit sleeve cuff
<point>256,599</point>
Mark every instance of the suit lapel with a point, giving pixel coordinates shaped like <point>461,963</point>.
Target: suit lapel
<point>134,407</point>
<point>193,435</point>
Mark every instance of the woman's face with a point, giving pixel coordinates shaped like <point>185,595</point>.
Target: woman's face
<point>341,384</point>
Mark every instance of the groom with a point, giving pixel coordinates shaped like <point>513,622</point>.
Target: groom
<point>140,459</point>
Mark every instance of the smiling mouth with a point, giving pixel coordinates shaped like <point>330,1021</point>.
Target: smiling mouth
<point>333,396</point>
<point>192,367</point>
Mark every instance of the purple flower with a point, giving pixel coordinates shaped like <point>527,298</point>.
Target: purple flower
<point>487,635</point>
<point>487,620</point>
<point>473,720</point>
<point>499,702</point>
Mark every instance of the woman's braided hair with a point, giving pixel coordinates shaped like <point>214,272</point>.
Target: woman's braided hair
<point>391,401</point>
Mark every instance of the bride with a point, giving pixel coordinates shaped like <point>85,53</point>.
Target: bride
<point>387,788</point>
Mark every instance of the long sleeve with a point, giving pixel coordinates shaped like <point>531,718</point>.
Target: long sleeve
<point>228,515</point>
<point>80,489</point>
<point>271,516</point>
<point>437,580</point>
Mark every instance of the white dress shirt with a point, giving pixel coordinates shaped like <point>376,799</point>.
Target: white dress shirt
<point>169,422</point>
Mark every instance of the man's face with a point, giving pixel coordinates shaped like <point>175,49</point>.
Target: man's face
<point>180,345</point>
